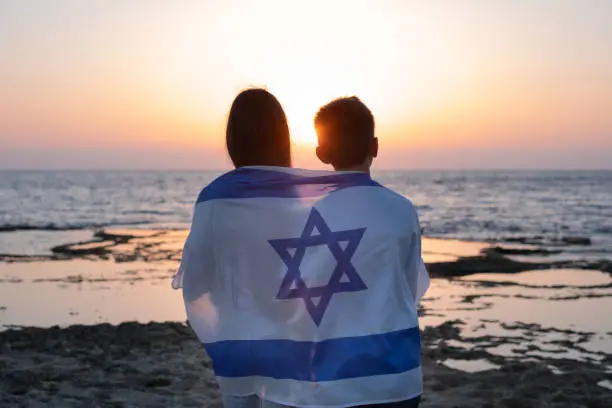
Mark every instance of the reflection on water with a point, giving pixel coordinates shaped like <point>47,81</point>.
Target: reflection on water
<point>448,250</point>
<point>552,314</point>
<point>470,366</point>
<point>87,292</point>
<point>606,384</point>
<point>38,242</point>
<point>548,277</point>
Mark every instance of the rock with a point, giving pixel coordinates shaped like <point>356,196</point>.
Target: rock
<point>158,382</point>
<point>490,262</point>
<point>163,364</point>
<point>519,251</point>
<point>117,238</point>
<point>18,389</point>
<point>580,241</point>
<point>184,385</point>
<point>524,240</point>
<point>20,382</point>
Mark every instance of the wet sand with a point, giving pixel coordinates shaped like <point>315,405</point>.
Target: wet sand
<point>532,328</point>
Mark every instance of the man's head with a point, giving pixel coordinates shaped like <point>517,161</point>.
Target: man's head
<point>345,129</point>
<point>257,131</point>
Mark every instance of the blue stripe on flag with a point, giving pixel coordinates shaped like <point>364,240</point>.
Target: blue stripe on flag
<point>253,183</point>
<point>334,359</point>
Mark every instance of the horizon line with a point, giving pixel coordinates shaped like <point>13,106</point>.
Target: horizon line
<point>374,169</point>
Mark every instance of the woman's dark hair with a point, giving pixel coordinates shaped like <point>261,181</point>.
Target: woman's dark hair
<point>257,131</point>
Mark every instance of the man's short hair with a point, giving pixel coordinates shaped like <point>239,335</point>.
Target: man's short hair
<point>345,129</point>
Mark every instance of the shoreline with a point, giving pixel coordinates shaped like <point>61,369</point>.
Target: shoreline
<point>444,257</point>
<point>163,364</point>
<point>492,336</point>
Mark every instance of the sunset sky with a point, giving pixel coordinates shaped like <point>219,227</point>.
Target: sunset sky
<point>452,84</point>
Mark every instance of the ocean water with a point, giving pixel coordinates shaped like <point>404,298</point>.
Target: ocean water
<point>546,207</point>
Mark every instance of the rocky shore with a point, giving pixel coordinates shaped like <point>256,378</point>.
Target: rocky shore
<point>501,338</point>
<point>163,365</point>
<point>514,256</point>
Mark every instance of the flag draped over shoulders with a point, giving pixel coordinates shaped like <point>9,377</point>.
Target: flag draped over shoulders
<point>303,286</point>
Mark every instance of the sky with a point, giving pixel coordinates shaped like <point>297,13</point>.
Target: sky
<point>471,84</point>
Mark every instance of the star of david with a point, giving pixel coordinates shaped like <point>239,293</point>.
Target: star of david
<point>344,277</point>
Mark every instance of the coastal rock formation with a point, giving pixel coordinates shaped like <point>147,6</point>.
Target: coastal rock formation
<point>163,364</point>
<point>148,246</point>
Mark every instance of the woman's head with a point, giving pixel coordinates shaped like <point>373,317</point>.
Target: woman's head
<point>257,131</point>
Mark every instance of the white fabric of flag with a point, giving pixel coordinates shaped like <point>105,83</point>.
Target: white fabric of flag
<point>303,287</point>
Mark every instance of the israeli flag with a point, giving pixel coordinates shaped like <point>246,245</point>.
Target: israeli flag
<point>303,286</point>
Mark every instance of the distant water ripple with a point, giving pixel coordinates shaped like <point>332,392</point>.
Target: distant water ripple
<point>475,205</point>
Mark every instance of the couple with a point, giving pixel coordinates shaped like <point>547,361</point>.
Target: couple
<point>304,285</point>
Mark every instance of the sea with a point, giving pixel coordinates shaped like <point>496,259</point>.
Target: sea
<point>39,209</point>
<point>551,313</point>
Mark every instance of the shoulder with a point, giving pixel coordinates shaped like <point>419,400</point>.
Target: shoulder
<point>397,200</point>
<point>397,206</point>
<point>250,182</point>
<point>223,186</point>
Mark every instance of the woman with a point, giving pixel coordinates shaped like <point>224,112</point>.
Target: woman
<point>257,134</point>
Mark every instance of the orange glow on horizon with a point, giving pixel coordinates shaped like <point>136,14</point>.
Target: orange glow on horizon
<point>435,75</point>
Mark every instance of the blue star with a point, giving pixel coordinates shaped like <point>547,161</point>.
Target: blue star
<point>294,287</point>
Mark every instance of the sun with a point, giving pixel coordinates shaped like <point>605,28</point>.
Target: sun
<point>301,101</point>
<point>303,81</point>
<point>301,123</point>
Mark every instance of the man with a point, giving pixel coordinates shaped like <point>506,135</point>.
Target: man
<point>345,130</point>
